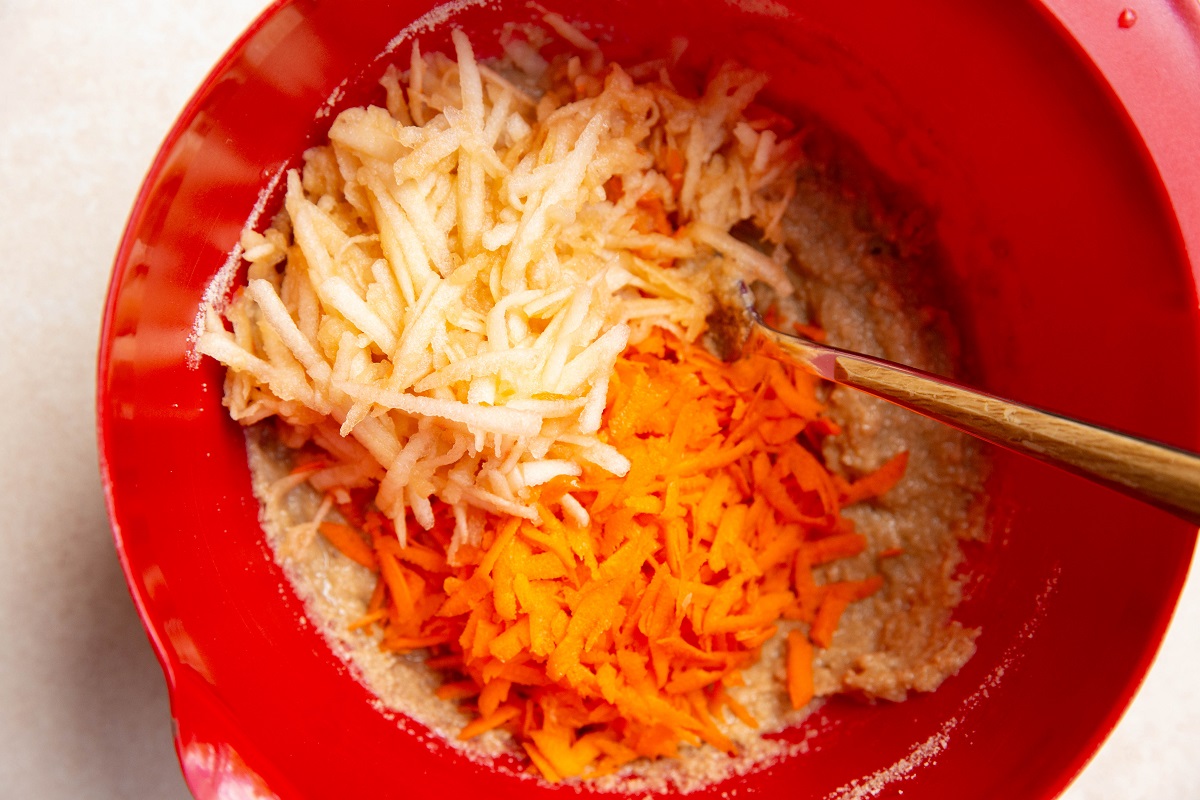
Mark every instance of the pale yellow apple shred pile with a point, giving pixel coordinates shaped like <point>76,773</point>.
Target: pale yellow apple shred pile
<point>463,270</point>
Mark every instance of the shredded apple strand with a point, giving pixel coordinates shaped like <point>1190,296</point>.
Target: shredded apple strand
<point>595,645</point>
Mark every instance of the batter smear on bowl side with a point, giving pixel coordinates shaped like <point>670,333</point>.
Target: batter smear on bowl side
<point>500,464</point>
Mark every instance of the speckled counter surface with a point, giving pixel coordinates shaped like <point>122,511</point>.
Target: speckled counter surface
<point>89,90</point>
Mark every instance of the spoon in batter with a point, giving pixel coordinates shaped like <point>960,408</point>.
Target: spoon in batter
<point>1153,473</point>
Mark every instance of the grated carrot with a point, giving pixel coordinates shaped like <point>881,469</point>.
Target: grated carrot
<point>493,720</point>
<point>799,669</point>
<point>459,690</point>
<point>845,545</point>
<point>878,482</point>
<point>809,331</point>
<point>349,542</point>
<point>836,597</point>
<point>599,644</point>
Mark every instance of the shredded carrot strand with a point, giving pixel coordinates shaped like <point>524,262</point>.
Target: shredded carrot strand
<point>349,542</point>
<point>878,482</point>
<point>490,722</point>
<point>845,545</point>
<point>799,669</point>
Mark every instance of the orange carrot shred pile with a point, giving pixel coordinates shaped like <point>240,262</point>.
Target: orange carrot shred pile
<point>599,645</point>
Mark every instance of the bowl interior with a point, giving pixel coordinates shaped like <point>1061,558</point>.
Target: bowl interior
<point>1056,239</point>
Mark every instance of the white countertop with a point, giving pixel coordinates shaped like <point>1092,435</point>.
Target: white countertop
<point>89,91</point>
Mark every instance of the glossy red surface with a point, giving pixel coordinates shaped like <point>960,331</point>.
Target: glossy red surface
<point>1055,148</point>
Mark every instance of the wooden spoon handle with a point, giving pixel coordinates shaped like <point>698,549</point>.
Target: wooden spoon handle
<point>1154,473</point>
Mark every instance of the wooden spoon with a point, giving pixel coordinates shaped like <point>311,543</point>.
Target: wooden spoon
<point>1153,473</point>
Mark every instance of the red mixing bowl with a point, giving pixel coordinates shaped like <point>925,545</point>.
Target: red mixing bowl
<point>1054,143</point>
